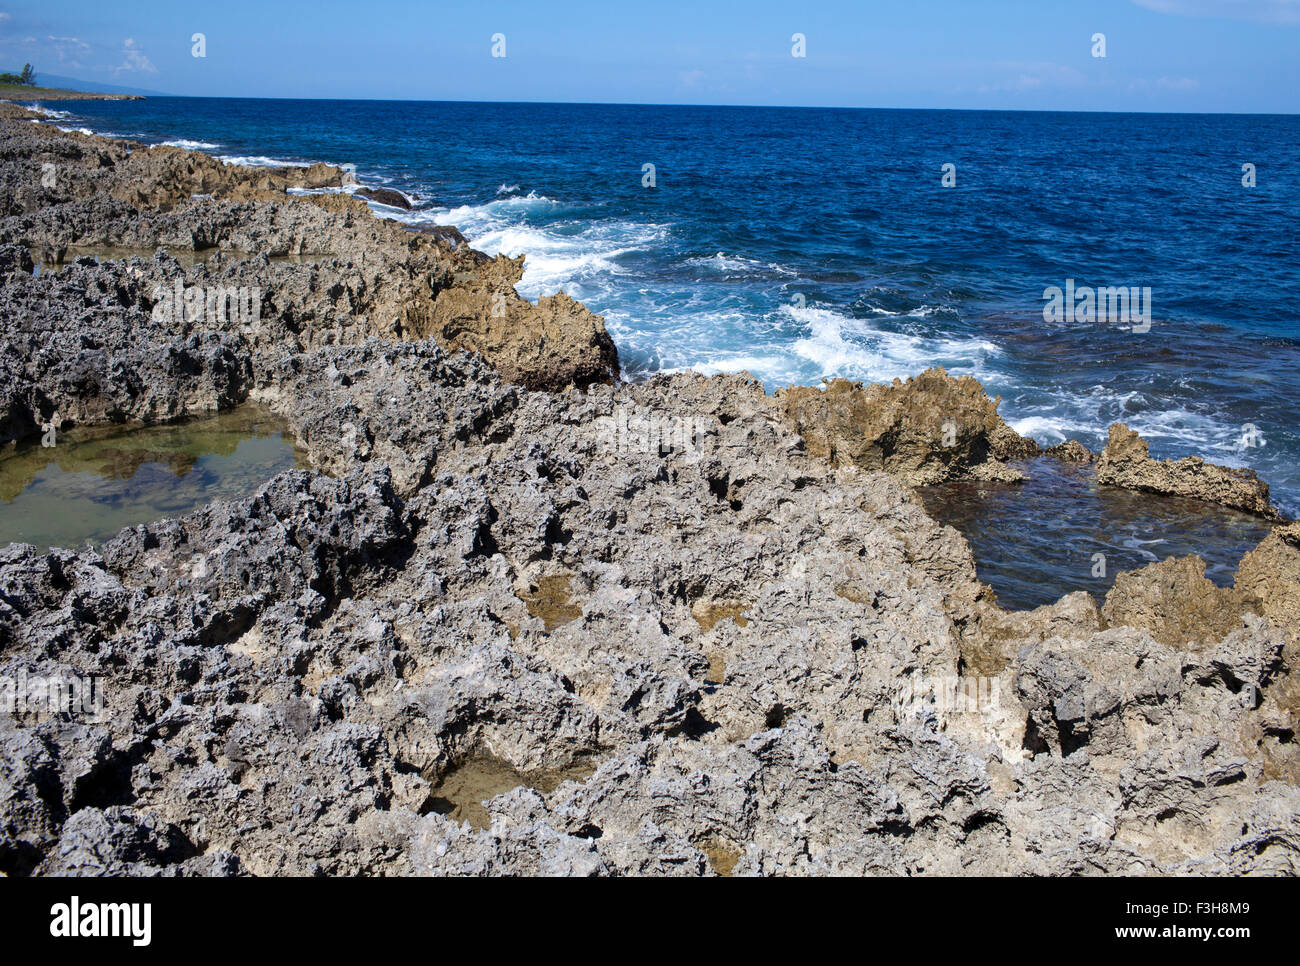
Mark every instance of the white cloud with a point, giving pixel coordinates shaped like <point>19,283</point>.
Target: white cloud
<point>1033,76</point>
<point>3,16</point>
<point>134,59</point>
<point>1263,11</point>
<point>67,46</point>
<point>1163,85</point>
<point>67,49</point>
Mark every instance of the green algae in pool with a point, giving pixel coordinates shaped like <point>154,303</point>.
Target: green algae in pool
<point>96,481</point>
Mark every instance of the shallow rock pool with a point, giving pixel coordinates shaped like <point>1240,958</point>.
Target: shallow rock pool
<point>1038,540</point>
<point>93,482</point>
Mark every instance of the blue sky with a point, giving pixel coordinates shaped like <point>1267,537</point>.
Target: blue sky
<point>1161,55</point>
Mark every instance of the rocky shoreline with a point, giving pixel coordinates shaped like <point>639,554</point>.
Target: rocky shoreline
<point>680,627</point>
<point>21,92</point>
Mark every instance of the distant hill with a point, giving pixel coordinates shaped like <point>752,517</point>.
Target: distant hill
<point>73,84</point>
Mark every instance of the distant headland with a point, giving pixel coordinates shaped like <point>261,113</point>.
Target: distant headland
<point>29,92</point>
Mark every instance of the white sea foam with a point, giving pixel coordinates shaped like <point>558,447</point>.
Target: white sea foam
<point>739,266</point>
<point>1049,430</point>
<point>189,145</point>
<point>553,261</point>
<point>764,367</point>
<point>1166,425</point>
<point>497,213</point>
<point>839,345</point>
<point>48,111</point>
<point>559,255</point>
<point>257,161</point>
<point>919,312</point>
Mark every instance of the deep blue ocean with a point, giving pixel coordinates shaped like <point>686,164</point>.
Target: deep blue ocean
<point>800,244</point>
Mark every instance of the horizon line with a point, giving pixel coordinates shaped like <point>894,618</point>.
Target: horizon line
<point>784,107</point>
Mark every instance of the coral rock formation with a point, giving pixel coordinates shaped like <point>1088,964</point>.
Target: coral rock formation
<point>1126,462</point>
<point>929,429</point>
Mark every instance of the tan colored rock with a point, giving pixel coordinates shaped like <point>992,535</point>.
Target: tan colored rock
<point>1126,462</point>
<point>1271,573</point>
<point>339,203</point>
<point>162,177</point>
<point>931,428</point>
<point>993,641</point>
<point>552,345</point>
<point>1176,603</point>
<point>1005,443</point>
<point>993,471</point>
<point>1071,451</point>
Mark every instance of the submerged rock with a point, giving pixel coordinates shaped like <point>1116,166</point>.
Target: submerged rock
<point>1071,451</point>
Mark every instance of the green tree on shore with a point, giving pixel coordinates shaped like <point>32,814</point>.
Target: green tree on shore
<point>27,77</point>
